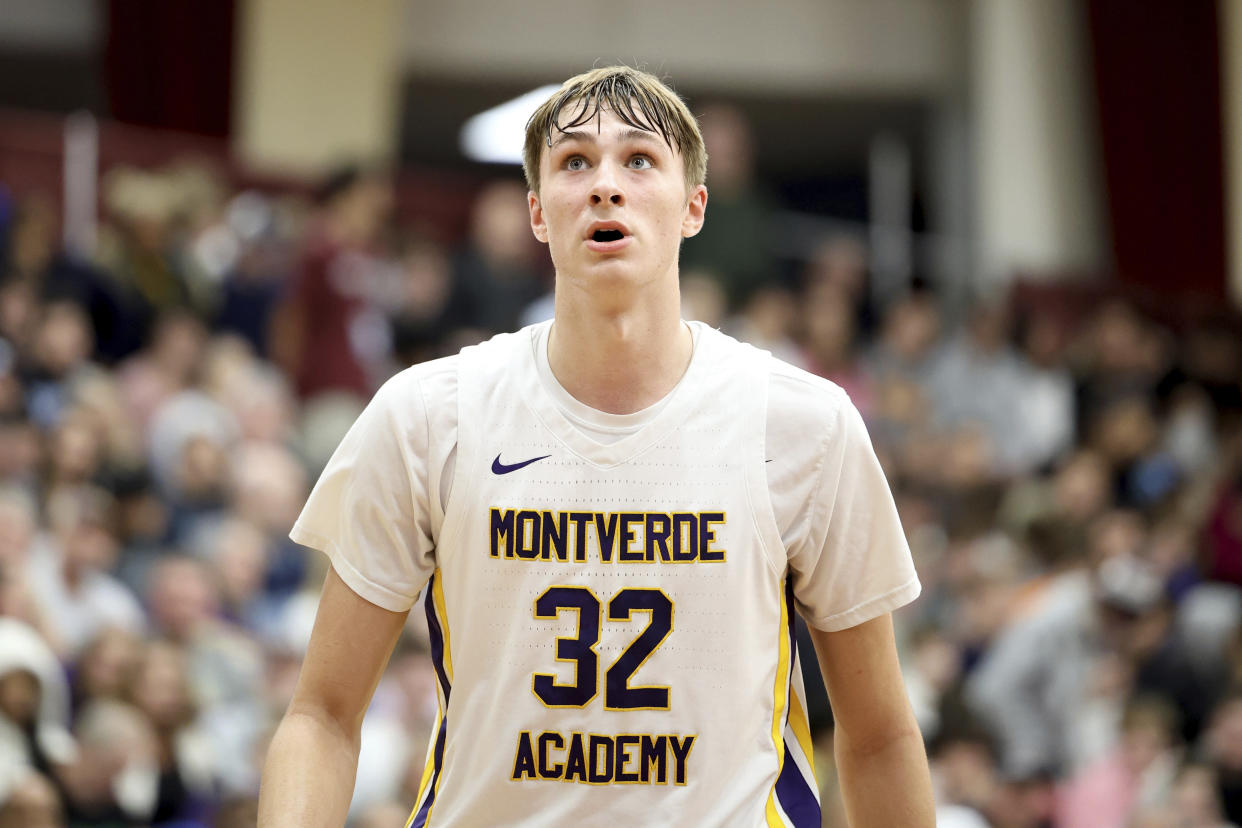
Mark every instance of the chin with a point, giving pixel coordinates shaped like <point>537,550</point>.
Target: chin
<point>608,277</point>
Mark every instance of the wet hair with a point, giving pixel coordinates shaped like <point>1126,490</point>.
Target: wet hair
<point>638,98</point>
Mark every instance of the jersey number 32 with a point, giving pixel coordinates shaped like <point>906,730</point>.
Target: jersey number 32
<point>580,650</point>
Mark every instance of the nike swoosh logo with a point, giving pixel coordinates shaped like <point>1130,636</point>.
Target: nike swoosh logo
<point>500,468</point>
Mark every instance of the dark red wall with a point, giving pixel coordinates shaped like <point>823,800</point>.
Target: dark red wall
<point>169,63</point>
<point>1157,77</point>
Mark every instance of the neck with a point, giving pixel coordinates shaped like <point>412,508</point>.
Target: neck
<point>619,356</point>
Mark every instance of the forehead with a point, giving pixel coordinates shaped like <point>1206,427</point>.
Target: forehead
<point>576,121</point>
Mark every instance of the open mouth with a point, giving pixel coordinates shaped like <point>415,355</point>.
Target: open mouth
<point>607,235</point>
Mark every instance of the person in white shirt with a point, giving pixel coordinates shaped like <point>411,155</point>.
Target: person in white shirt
<point>610,519</point>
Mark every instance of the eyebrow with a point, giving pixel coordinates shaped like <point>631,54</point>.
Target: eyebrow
<point>589,137</point>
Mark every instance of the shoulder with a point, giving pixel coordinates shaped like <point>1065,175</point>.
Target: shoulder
<point>431,387</point>
<point>800,402</point>
<point>426,382</point>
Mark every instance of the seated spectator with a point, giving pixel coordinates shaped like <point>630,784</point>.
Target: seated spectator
<point>31,802</point>
<point>158,688</point>
<point>1222,749</point>
<point>767,320</point>
<point>71,573</point>
<point>1192,803</point>
<point>224,665</point>
<point>115,778</point>
<point>58,355</point>
<point>702,298</point>
<point>977,379</point>
<point>1045,397</point>
<point>829,344</point>
<point>34,709</point>
<point>105,667</point>
<point>168,365</point>
<point>1131,778</point>
<point>48,274</point>
<point>840,262</point>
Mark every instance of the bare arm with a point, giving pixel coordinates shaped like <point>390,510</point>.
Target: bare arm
<point>308,778</point>
<point>883,767</point>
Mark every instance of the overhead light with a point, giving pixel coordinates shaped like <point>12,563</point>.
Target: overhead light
<point>496,135</point>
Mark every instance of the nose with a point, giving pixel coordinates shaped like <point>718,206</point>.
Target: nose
<point>607,186</point>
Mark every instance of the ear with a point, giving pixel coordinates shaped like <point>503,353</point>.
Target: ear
<point>537,225</point>
<point>696,210</point>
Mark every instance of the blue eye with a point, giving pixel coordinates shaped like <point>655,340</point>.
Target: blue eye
<point>640,162</point>
<point>576,163</point>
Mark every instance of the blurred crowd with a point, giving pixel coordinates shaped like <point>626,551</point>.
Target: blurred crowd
<point>1069,475</point>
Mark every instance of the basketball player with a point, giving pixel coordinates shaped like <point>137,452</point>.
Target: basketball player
<point>611,519</point>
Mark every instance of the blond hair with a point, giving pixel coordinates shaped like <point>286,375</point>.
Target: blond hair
<point>638,98</point>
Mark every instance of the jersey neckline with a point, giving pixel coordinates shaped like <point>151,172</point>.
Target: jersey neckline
<point>571,420</point>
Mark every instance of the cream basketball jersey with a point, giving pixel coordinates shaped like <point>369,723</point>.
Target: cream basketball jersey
<point>611,624</point>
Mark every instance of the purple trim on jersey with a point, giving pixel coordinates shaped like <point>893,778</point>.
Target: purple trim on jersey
<point>436,634</point>
<point>420,820</point>
<point>795,795</point>
<point>792,791</point>
<point>437,639</point>
<point>790,613</point>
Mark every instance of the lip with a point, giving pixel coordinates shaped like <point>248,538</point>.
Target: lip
<point>610,246</point>
<point>596,226</point>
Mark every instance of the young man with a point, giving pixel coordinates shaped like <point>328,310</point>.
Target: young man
<point>614,516</point>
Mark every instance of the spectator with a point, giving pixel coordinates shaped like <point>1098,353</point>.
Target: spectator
<point>143,259</point>
<point>104,669</point>
<point>495,273</point>
<point>736,245</point>
<point>1222,748</point>
<point>767,321</point>
<point>830,346</point>
<point>423,312</point>
<point>32,802</point>
<point>224,665</point>
<point>977,380</point>
<point>34,714</point>
<point>167,366</point>
<point>1038,675</point>
<point>326,335</point>
<point>158,689</point>
<point>58,355</point>
<point>702,298</point>
<point>70,574</point>
<point>115,780</point>
<point>1132,778</point>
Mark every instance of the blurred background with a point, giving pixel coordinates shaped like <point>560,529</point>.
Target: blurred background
<point>1010,229</point>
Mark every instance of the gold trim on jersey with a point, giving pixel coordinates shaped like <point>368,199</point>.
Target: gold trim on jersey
<point>778,710</point>
<point>428,766</point>
<point>801,728</point>
<point>437,593</point>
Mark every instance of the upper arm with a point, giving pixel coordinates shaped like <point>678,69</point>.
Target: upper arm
<point>349,647</point>
<point>370,510</point>
<point>864,682</point>
<point>846,548</point>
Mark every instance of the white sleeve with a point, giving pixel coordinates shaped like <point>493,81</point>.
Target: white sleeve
<point>369,511</point>
<point>852,562</point>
